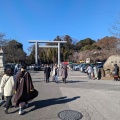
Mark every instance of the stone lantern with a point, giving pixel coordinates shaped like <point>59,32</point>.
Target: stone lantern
<point>1,62</point>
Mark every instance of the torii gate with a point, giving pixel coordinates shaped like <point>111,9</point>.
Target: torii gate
<point>36,48</point>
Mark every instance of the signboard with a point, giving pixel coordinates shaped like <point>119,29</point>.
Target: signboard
<point>87,60</point>
<point>81,61</point>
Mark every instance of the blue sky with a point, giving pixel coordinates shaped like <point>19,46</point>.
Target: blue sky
<point>26,20</point>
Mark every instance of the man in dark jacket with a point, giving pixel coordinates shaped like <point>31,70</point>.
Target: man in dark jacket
<point>116,72</point>
<point>47,73</point>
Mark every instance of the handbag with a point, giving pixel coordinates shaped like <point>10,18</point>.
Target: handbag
<point>33,94</point>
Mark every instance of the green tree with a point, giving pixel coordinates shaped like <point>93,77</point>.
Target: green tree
<point>67,49</point>
<point>90,47</point>
<point>82,43</point>
<point>14,52</point>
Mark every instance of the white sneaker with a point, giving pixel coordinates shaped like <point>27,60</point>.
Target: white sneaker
<point>21,112</point>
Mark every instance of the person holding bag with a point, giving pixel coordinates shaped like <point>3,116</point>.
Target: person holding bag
<point>7,87</point>
<point>24,89</point>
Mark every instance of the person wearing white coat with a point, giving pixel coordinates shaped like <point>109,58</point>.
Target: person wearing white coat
<point>7,87</point>
<point>89,70</point>
<point>95,71</point>
<point>55,74</point>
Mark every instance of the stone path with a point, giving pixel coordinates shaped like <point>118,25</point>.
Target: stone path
<point>94,99</point>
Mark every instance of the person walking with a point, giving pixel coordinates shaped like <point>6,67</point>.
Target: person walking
<point>89,71</point>
<point>55,73</point>
<point>7,87</point>
<point>95,72</point>
<point>116,72</point>
<point>47,73</point>
<point>16,69</point>
<point>52,66</point>
<point>64,73</point>
<point>23,87</point>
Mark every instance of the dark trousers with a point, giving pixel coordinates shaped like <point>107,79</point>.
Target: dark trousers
<point>8,102</point>
<point>64,80</point>
<point>44,76</point>
<point>47,79</point>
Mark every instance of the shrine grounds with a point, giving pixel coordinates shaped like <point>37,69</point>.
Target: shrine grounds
<point>94,99</point>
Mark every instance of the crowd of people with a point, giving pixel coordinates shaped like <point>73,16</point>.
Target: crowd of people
<point>19,83</point>
<point>20,86</point>
<point>55,73</point>
<point>95,72</point>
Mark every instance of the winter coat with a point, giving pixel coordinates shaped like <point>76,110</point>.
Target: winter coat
<point>116,71</point>
<point>95,70</point>
<point>55,71</point>
<point>64,73</point>
<point>47,71</point>
<point>7,85</point>
<point>23,86</point>
<point>89,69</point>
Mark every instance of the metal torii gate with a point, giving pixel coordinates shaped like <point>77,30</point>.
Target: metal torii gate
<point>36,48</point>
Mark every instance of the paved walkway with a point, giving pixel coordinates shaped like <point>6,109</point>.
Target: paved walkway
<point>95,99</point>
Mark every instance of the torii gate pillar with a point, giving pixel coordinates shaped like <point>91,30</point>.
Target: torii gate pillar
<point>58,54</point>
<point>36,53</point>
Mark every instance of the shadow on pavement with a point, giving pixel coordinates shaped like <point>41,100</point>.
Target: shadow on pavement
<point>37,78</point>
<point>71,81</point>
<point>37,81</point>
<point>49,102</point>
<point>75,81</point>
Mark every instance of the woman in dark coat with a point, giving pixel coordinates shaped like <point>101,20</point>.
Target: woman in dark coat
<point>64,73</point>
<point>23,86</point>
